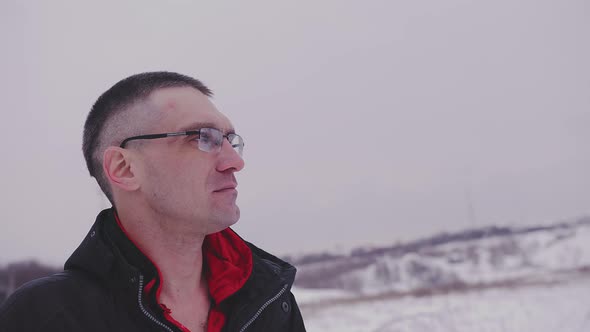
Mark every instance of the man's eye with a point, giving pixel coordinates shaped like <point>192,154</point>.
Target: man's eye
<point>205,138</point>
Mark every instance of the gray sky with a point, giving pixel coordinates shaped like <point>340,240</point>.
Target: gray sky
<point>365,122</point>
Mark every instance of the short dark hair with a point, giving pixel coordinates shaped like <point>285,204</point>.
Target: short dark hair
<point>117,99</point>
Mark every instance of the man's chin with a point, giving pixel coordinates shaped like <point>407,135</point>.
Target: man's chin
<point>222,222</point>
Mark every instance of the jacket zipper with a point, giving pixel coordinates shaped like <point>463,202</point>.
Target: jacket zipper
<point>266,304</point>
<point>145,312</point>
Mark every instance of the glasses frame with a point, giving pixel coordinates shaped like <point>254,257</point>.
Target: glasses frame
<point>197,132</point>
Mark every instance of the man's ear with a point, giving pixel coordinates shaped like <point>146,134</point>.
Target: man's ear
<point>117,168</point>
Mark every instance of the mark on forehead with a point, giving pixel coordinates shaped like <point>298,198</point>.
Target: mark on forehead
<point>170,104</point>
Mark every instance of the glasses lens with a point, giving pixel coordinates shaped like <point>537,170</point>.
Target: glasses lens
<point>237,143</point>
<point>210,139</point>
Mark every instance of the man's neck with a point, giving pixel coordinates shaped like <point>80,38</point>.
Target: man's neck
<point>177,253</point>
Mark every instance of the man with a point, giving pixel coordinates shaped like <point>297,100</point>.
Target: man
<point>163,258</point>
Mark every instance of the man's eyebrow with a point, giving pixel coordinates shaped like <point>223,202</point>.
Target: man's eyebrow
<point>199,125</point>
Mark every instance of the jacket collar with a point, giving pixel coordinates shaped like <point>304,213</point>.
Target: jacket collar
<point>108,254</point>
<point>99,257</point>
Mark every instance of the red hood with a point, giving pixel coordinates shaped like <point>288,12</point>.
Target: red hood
<point>229,263</point>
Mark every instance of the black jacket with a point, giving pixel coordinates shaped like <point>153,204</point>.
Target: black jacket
<point>102,289</point>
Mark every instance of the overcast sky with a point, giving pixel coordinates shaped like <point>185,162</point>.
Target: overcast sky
<point>366,122</point>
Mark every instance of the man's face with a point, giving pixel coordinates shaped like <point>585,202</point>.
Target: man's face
<point>180,182</point>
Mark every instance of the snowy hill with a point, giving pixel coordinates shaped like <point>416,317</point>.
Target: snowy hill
<point>479,258</point>
<point>489,279</point>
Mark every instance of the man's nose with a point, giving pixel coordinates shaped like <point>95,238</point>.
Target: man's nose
<point>229,158</point>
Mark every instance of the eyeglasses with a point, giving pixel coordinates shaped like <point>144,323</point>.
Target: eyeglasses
<point>210,139</point>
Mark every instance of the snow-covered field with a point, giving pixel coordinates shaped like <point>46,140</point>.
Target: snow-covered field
<point>535,279</point>
<point>563,307</point>
<point>474,261</point>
